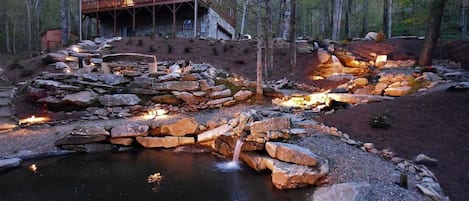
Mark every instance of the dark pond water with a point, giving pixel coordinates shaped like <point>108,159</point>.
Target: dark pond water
<point>123,176</point>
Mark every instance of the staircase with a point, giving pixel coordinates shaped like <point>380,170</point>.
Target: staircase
<point>7,114</point>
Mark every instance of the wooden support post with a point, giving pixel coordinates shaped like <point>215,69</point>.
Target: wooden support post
<point>174,20</point>
<point>154,19</point>
<point>195,17</point>
<point>115,22</point>
<point>133,20</point>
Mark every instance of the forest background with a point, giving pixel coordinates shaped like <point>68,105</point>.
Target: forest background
<point>25,20</point>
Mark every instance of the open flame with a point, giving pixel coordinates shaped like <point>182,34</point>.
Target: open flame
<point>33,120</point>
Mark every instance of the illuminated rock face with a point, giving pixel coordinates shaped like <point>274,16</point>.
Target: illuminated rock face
<point>182,127</point>
<point>9,163</point>
<point>291,153</point>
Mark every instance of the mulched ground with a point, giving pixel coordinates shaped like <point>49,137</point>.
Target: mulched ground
<point>435,124</point>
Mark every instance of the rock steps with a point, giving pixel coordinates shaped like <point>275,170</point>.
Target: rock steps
<point>7,113</point>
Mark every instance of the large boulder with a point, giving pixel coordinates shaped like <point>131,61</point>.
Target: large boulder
<point>289,176</point>
<point>90,130</point>
<point>9,163</point>
<point>226,144</point>
<point>166,142</point>
<point>181,127</point>
<point>276,123</point>
<point>79,140</point>
<point>177,86</point>
<point>119,100</point>
<point>214,133</point>
<point>129,130</point>
<point>113,79</point>
<point>220,94</point>
<point>51,58</point>
<point>166,99</point>
<point>219,101</point>
<point>82,98</point>
<point>397,91</point>
<point>188,97</point>
<point>323,56</point>
<point>242,95</point>
<point>343,192</point>
<point>291,153</point>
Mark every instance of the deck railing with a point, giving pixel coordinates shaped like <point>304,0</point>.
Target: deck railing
<point>101,5</point>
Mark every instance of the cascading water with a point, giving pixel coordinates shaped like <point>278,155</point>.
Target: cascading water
<point>233,165</point>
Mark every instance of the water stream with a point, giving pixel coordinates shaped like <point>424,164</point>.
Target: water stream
<point>123,176</point>
<point>232,165</point>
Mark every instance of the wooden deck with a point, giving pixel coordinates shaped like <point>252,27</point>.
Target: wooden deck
<point>89,6</point>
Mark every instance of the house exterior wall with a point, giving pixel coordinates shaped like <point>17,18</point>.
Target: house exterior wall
<point>214,21</point>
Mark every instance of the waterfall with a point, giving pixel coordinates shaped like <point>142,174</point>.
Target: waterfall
<point>233,165</point>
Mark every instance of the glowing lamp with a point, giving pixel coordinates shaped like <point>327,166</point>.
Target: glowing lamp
<point>33,120</point>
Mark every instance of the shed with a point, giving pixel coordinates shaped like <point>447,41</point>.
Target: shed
<point>50,39</point>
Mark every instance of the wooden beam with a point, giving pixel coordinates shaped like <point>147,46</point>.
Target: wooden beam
<point>196,5</point>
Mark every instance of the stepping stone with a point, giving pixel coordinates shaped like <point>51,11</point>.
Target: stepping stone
<point>5,93</point>
<point>5,101</point>
<point>5,111</point>
<point>7,123</point>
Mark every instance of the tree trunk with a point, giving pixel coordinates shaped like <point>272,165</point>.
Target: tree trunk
<point>7,35</point>
<point>243,19</point>
<point>463,18</point>
<point>387,18</point>
<point>29,24</point>
<point>348,11</point>
<point>259,92</point>
<point>268,37</point>
<point>365,17</point>
<point>433,32</point>
<point>293,33</point>
<point>14,37</point>
<point>64,22</point>
<point>336,20</point>
<point>285,26</point>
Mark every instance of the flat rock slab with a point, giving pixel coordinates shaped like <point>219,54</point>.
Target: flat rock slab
<point>214,133</point>
<point>129,130</point>
<point>4,101</point>
<point>291,153</point>
<point>5,111</point>
<point>9,163</point>
<point>343,192</point>
<point>182,127</point>
<point>276,123</point>
<point>166,142</point>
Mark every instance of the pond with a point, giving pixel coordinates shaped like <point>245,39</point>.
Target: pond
<point>123,176</point>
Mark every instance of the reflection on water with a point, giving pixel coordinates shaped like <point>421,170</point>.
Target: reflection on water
<point>123,176</point>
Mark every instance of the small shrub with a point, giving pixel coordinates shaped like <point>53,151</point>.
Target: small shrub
<point>240,62</point>
<point>152,49</point>
<point>225,47</point>
<point>129,42</point>
<point>214,51</point>
<point>380,37</point>
<point>380,121</point>
<point>246,50</point>
<point>187,50</point>
<point>169,48</point>
<point>232,46</point>
<point>15,65</point>
<point>26,72</point>
<point>140,42</point>
<point>191,40</point>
